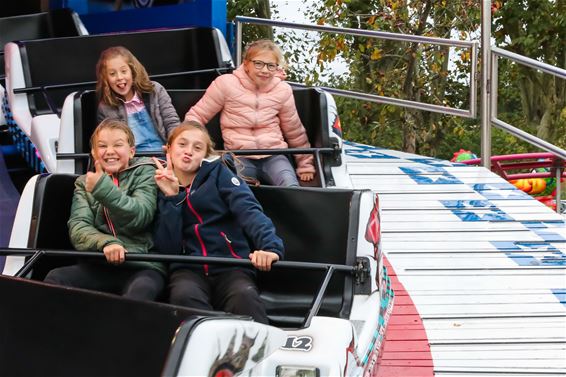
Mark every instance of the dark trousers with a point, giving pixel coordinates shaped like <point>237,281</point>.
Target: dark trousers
<point>233,291</point>
<point>132,283</point>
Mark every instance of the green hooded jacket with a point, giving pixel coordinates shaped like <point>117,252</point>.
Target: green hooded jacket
<point>130,206</point>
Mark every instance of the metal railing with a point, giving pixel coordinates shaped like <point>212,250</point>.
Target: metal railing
<point>85,84</point>
<point>489,80</point>
<point>497,53</point>
<point>472,45</point>
<point>358,270</point>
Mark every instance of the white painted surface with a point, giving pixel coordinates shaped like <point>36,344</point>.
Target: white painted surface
<point>484,263</point>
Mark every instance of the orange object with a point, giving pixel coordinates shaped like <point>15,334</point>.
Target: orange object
<point>523,184</point>
<point>538,185</point>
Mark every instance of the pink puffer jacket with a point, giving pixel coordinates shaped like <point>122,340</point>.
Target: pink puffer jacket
<point>252,118</point>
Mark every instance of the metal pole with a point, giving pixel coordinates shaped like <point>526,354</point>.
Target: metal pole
<point>558,185</point>
<point>485,90</point>
<point>239,26</point>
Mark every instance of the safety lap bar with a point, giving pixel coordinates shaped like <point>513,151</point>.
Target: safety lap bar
<point>45,88</point>
<point>315,306</point>
<point>250,152</point>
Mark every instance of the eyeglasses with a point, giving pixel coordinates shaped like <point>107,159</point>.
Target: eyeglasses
<point>258,64</point>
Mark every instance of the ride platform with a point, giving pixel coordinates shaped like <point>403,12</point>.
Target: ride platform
<point>478,269</point>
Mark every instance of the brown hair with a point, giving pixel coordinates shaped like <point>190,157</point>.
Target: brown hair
<point>261,45</point>
<point>112,124</point>
<point>192,125</point>
<point>140,78</point>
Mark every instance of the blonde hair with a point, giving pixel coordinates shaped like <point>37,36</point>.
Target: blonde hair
<point>192,125</point>
<point>141,82</point>
<point>262,45</point>
<point>112,124</point>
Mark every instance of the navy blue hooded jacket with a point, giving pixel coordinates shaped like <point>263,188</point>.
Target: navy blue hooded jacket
<point>216,217</point>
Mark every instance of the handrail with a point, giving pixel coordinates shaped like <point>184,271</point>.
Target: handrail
<point>556,71</point>
<point>32,89</point>
<point>150,257</point>
<point>250,152</point>
<point>473,45</point>
<point>496,53</point>
<point>391,101</point>
<point>502,164</point>
<point>330,268</point>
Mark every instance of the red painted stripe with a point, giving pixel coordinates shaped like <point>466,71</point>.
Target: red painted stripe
<point>406,351</point>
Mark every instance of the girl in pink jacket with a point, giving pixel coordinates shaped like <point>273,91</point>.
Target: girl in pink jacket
<point>258,112</point>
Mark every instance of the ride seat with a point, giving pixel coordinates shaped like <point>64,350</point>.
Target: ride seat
<point>316,225</point>
<point>46,71</point>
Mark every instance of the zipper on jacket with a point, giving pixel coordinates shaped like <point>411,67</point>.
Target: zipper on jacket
<point>202,247</point>
<point>229,244</point>
<point>199,218</point>
<point>256,110</point>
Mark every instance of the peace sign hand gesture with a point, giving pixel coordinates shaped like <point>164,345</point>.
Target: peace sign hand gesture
<point>92,178</point>
<point>165,177</point>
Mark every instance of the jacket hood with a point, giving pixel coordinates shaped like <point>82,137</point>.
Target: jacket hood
<point>139,161</point>
<point>247,82</point>
<point>212,163</point>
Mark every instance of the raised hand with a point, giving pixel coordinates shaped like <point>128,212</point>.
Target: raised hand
<point>262,260</point>
<point>165,177</point>
<point>115,253</point>
<point>92,178</point>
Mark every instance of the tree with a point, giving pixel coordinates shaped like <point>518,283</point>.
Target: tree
<point>536,29</point>
<point>251,8</point>
<point>412,71</point>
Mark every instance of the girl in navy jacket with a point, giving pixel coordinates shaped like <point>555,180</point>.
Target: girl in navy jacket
<point>206,210</point>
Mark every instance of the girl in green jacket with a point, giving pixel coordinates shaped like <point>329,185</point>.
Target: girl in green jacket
<point>112,212</point>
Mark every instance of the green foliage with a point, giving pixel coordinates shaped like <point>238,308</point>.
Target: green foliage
<point>530,100</point>
<point>252,8</point>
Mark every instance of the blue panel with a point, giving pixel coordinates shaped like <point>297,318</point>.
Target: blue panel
<point>560,295</point>
<point>506,195</point>
<point>462,204</point>
<point>422,170</point>
<point>436,180</point>
<point>368,154</point>
<point>549,236</point>
<point>492,215</point>
<point>493,186</point>
<point>430,161</point>
<point>557,259</point>
<point>194,13</point>
<point>524,245</point>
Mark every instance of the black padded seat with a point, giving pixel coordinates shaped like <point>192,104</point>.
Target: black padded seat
<point>311,107</point>
<point>310,102</point>
<point>316,225</point>
<point>56,23</point>
<point>50,212</point>
<point>73,60</point>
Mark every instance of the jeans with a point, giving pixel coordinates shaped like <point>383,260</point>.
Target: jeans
<point>233,291</point>
<point>274,170</point>
<point>147,138</point>
<point>132,283</point>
